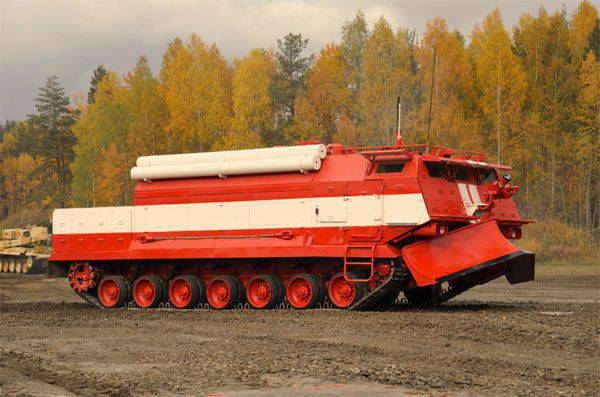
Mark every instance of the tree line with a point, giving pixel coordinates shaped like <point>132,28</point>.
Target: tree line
<point>530,98</point>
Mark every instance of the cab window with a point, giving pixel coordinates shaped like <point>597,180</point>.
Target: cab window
<point>487,176</point>
<point>435,170</point>
<point>462,174</point>
<point>390,168</point>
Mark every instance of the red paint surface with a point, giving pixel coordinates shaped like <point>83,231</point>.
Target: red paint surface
<point>456,251</point>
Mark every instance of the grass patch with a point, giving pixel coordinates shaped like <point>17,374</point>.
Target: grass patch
<point>555,242</point>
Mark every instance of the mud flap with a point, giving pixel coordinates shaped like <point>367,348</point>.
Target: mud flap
<point>477,249</point>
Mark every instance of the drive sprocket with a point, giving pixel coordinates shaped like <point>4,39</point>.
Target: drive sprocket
<point>82,277</point>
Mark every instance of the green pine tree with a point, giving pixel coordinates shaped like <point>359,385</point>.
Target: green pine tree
<point>290,78</point>
<point>97,77</point>
<point>52,124</point>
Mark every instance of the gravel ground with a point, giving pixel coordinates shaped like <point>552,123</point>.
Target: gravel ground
<point>538,338</point>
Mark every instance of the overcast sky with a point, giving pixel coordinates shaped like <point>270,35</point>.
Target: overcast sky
<point>69,38</point>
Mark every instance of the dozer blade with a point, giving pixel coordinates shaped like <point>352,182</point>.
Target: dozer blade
<point>479,250</point>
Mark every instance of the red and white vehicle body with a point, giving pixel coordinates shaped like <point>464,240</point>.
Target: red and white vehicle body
<point>350,226</point>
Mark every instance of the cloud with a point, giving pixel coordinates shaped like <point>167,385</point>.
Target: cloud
<point>69,38</point>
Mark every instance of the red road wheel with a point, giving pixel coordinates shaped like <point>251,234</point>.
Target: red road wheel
<point>343,293</point>
<point>264,292</point>
<point>113,291</point>
<point>148,291</point>
<point>222,292</point>
<point>186,291</point>
<point>304,291</point>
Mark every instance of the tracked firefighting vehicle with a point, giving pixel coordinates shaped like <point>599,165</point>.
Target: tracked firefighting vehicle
<point>24,250</point>
<point>301,226</point>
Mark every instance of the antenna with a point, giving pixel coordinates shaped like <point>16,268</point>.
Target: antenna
<point>398,123</point>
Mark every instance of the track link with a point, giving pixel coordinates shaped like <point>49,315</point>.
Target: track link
<point>90,299</point>
<point>385,293</point>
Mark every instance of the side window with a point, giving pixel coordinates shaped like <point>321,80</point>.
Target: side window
<point>487,176</point>
<point>462,174</point>
<point>435,170</point>
<point>390,168</point>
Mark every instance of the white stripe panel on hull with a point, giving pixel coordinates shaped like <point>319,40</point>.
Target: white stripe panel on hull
<point>368,210</point>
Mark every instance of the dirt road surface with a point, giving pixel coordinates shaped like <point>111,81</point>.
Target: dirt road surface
<point>538,338</point>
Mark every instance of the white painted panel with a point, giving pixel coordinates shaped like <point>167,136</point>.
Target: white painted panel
<point>219,216</point>
<point>113,219</point>
<point>92,220</point>
<point>281,213</point>
<point>160,218</point>
<point>404,209</point>
<point>331,209</point>
<point>464,190</point>
<point>364,210</point>
<point>475,195</point>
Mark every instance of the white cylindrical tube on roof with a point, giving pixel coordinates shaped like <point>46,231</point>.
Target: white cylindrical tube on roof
<point>260,166</point>
<point>233,155</point>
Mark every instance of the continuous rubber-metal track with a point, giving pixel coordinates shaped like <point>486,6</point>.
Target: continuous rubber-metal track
<point>380,297</point>
<point>90,299</point>
<point>385,293</point>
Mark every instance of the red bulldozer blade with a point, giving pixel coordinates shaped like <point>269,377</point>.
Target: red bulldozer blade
<point>478,252</point>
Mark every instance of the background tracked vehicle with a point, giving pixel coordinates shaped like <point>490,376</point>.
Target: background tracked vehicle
<point>298,226</point>
<point>24,250</point>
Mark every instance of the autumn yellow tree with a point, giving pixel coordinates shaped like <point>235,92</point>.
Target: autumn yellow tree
<point>102,123</point>
<point>583,23</point>
<point>110,177</point>
<point>546,44</point>
<point>254,112</point>
<point>326,100</point>
<point>588,140</point>
<point>21,191</point>
<point>355,34</point>
<point>446,115</point>
<point>500,83</point>
<point>147,113</point>
<point>196,83</point>
<point>386,75</point>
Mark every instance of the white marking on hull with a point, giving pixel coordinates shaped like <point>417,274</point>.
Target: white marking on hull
<point>368,210</point>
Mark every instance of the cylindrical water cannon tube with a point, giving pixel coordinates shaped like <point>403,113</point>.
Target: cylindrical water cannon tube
<point>259,166</point>
<point>233,155</point>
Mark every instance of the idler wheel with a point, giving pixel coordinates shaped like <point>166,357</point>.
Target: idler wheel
<point>222,292</point>
<point>343,293</point>
<point>305,291</point>
<point>264,291</point>
<point>186,291</point>
<point>148,291</point>
<point>113,291</point>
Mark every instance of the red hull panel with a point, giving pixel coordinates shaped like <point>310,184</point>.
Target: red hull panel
<point>220,244</point>
<point>461,249</point>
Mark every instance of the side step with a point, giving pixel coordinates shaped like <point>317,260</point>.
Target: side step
<point>352,258</point>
